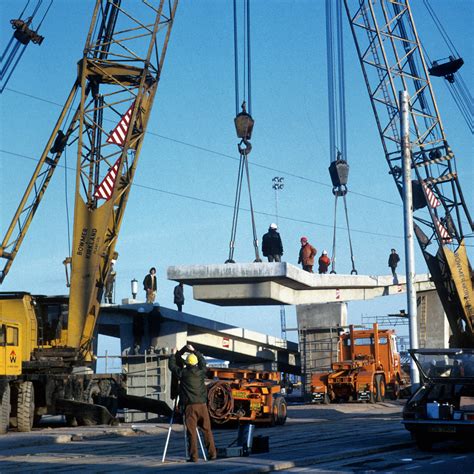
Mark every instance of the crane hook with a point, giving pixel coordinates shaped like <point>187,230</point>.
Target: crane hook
<point>248,147</point>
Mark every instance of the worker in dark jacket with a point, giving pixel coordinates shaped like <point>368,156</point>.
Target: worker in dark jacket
<point>272,248</point>
<point>178,294</point>
<point>150,286</point>
<point>393,260</point>
<point>193,397</point>
<point>324,262</point>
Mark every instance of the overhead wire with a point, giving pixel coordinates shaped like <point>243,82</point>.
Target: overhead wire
<point>217,203</point>
<point>230,157</point>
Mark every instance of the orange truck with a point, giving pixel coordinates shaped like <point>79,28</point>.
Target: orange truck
<point>245,396</point>
<point>367,369</point>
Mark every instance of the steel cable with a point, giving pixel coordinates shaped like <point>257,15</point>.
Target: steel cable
<point>220,401</point>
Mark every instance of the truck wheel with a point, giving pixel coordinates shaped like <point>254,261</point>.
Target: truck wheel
<point>423,441</point>
<point>5,409</point>
<point>373,392</point>
<point>395,392</point>
<point>380,388</point>
<point>282,411</point>
<point>25,406</point>
<point>372,397</point>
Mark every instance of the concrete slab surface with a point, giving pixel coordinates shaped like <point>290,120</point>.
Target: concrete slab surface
<point>316,438</point>
<point>248,284</point>
<point>311,434</point>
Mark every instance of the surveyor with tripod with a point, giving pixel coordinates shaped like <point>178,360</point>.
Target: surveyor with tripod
<point>193,398</point>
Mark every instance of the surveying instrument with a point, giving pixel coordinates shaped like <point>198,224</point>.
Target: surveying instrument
<point>170,427</point>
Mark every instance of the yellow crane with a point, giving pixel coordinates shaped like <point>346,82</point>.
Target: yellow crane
<point>116,83</point>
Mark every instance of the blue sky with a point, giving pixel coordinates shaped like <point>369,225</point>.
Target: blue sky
<point>180,209</point>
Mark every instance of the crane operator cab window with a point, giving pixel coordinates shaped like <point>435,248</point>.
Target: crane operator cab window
<point>12,336</point>
<point>53,319</point>
<point>10,356</point>
<point>8,335</point>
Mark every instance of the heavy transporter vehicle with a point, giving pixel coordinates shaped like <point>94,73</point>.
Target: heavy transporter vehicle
<point>245,396</point>
<point>367,369</point>
<point>46,344</point>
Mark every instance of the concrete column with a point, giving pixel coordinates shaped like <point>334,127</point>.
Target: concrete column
<point>433,326</point>
<point>318,329</point>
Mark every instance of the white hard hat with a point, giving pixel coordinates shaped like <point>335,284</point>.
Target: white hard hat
<point>325,252</point>
<point>273,226</point>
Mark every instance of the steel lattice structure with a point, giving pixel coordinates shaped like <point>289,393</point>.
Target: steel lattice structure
<point>392,60</point>
<point>118,73</point>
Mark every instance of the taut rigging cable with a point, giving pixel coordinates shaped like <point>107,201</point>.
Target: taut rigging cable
<point>21,37</point>
<point>449,69</point>
<point>244,125</point>
<point>338,169</point>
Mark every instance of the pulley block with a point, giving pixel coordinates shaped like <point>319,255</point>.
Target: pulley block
<point>446,69</point>
<point>244,124</point>
<point>339,172</point>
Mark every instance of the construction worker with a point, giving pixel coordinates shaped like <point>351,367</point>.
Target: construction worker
<point>109,283</point>
<point>393,260</point>
<point>324,262</point>
<point>193,397</point>
<point>178,294</point>
<point>272,248</point>
<point>307,254</point>
<point>150,286</point>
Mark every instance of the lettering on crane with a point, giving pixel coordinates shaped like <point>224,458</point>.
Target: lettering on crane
<point>86,243</point>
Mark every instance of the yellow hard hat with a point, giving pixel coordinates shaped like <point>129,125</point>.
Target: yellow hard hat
<point>191,359</point>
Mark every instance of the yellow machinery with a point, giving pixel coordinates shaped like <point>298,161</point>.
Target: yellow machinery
<point>392,60</point>
<point>368,368</point>
<point>245,396</point>
<point>108,109</point>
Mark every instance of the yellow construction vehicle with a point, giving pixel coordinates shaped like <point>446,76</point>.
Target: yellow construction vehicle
<point>46,342</point>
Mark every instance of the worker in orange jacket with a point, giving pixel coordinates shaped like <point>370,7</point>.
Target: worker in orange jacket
<point>324,262</point>
<point>307,254</point>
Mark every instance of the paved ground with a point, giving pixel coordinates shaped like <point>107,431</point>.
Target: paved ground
<point>335,438</point>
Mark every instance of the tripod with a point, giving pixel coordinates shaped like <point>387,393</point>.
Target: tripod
<point>176,404</point>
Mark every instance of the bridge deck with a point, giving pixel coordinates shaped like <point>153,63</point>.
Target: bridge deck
<point>248,284</point>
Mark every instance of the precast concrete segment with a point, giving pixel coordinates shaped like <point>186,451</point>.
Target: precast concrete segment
<point>282,283</point>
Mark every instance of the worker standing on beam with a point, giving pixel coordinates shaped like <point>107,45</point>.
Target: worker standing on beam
<point>109,283</point>
<point>193,397</point>
<point>324,262</point>
<point>178,294</point>
<point>393,260</point>
<point>150,286</point>
<point>307,254</point>
<point>272,247</point>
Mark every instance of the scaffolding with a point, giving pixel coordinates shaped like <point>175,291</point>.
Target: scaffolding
<point>146,375</point>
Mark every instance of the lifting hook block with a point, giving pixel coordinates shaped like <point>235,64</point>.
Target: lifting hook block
<point>248,147</point>
<point>339,190</point>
